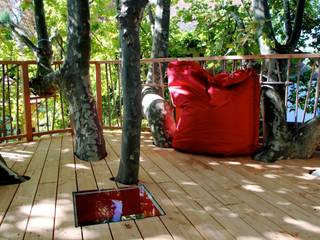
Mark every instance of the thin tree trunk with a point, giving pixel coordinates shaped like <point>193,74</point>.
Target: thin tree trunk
<point>8,176</point>
<point>129,19</point>
<point>156,110</point>
<point>42,49</point>
<point>43,53</point>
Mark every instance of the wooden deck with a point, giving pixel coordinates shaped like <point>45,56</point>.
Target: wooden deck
<point>203,197</point>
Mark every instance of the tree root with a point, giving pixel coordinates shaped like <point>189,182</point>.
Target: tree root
<point>279,141</point>
<point>160,118</point>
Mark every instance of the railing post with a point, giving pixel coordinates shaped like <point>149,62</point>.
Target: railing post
<point>27,106</point>
<point>98,91</point>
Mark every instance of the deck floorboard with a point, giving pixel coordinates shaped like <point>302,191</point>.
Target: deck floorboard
<point>204,197</point>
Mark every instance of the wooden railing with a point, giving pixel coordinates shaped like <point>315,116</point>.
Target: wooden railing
<point>24,115</point>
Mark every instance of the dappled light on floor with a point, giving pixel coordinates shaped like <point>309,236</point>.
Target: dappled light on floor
<point>283,191</point>
<point>15,156</point>
<point>278,235</point>
<point>274,166</point>
<point>77,166</point>
<point>66,150</point>
<point>304,225</point>
<point>204,197</point>
<point>253,188</point>
<point>306,176</point>
<point>271,176</point>
<point>283,203</point>
<point>189,183</point>
<point>255,166</point>
<point>233,163</point>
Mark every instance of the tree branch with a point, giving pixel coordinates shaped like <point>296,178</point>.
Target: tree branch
<point>295,35</point>
<point>150,16</point>
<point>287,19</point>
<point>265,30</point>
<point>24,38</point>
<point>57,37</point>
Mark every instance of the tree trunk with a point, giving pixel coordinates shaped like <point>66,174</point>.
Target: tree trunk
<point>73,77</point>
<point>8,176</point>
<point>156,110</point>
<point>89,143</point>
<point>43,53</point>
<point>279,141</point>
<point>129,19</point>
<point>42,49</point>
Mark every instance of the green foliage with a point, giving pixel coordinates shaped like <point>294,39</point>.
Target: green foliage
<point>5,17</point>
<point>310,22</point>
<point>216,30</point>
<point>219,28</point>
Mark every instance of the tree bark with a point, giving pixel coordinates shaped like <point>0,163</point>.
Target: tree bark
<point>73,78</point>
<point>42,49</point>
<point>89,143</point>
<point>8,176</point>
<point>156,110</point>
<point>129,19</point>
<point>43,53</point>
<point>280,142</point>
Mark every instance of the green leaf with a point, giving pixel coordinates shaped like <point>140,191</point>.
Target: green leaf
<point>5,17</point>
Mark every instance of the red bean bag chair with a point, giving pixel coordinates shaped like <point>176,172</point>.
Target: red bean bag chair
<point>217,114</point>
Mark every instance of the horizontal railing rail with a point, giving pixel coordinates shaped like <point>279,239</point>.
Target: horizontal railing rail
<point>24,115</point>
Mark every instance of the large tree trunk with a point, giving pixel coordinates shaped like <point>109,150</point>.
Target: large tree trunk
<point>156,110</point>
<point>8,176</point>
<point>73,78</point>
<point>129,19</point>
<point>280,142</point>
<point>89,142</point>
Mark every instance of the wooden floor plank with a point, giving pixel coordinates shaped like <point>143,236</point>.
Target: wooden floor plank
<point>15,222</point>
<point>187,228</point>
<point>125,230</point>
<point>286,189</point>
<point>218,186</point>
<point>64,227</point>
<point>152,228</point>
<point>86,181</point>
<point>251,199</point>
<point>12,153</point>
<point>157,225</point>
<point>277,200</point>
<point>41,219</point>
<point>208,227</point>
<point>199,194</point>
<point>178,225</point>
<point>19,165</point>
<point>203,197</point>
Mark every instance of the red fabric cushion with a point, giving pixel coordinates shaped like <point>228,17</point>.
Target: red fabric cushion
<point>218,114</point>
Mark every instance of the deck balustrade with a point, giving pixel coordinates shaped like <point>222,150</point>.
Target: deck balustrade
<point>24,115</point>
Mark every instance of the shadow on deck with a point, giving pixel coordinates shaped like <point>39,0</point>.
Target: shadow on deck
<point>203,197</point>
